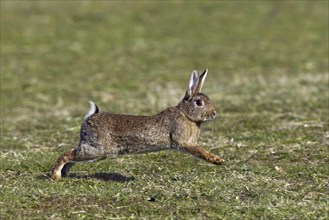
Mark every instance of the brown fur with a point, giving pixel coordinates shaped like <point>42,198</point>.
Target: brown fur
<point>107,135</point>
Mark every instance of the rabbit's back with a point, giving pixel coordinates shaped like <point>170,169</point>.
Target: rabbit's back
<point>127,133</point>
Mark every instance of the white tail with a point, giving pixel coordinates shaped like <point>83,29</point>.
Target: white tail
<point>93,109</point>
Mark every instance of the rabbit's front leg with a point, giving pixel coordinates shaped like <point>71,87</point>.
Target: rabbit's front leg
<point>201,153</point>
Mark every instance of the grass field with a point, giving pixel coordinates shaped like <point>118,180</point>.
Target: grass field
<point>268,77</point>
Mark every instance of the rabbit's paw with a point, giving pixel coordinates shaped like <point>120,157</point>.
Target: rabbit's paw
<point>217,160</point>
<point>55,174</point>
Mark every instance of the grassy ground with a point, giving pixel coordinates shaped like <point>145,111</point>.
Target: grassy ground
<point>268,77</point>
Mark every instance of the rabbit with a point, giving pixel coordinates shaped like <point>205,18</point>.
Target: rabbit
<point>107,135</point>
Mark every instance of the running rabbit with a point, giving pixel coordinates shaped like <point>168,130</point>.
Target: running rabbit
<point>106,134</point>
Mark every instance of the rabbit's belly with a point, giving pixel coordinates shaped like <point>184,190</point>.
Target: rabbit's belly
<point>137,146</point>
<point>145,149</point>
<point>139,143</point>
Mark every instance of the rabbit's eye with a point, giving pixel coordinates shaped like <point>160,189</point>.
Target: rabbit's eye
<point>198,102</point>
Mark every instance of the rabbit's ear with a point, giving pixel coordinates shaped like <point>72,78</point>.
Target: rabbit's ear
<point>201,80</point>
<point>192,84</point>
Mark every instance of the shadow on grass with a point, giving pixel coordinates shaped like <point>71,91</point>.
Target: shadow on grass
<point>108,177</point>
<point>112,177</point>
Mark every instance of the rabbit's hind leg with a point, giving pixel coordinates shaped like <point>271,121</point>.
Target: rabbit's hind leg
<point>56,170</point>
<point>63,162</point>
<point>84,152</point>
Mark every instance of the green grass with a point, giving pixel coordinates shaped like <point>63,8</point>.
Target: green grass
<point>268,78</point>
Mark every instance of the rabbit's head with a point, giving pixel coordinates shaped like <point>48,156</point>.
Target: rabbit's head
<point>196,105</point>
